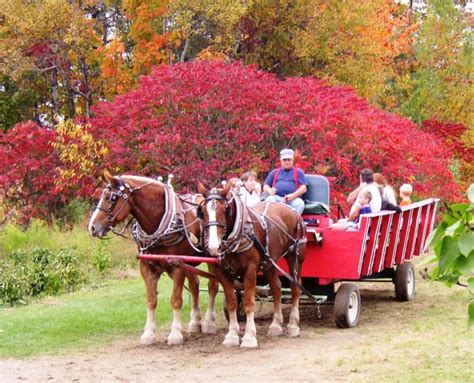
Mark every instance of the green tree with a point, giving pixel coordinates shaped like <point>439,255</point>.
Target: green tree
<point>443,78</point>
<point>16,103</point>
<point>52,42</point>
<point>50,53</point>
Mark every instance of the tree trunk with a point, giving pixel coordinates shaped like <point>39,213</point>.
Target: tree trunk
<point>55,90</point>
<point>183,53</point>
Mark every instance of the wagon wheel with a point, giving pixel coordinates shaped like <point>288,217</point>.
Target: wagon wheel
<point>347,306</point>
<point>405,282</point>
<point>241,317</point>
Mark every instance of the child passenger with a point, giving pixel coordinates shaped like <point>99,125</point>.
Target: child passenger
<point>249,188</point>
<point>361,206</point>
<point>405,192</point>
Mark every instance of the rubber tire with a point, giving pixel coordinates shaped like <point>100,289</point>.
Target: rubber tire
<point>342,315</point>
<point>404,277</point>
<point>241,317</point>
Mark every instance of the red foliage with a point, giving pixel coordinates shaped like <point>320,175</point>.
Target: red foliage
<point>28,169</point>
<point>205,120</point>
<point>202,120</point>
<point>451,134</point>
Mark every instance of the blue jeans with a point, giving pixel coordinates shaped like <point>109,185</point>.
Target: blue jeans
<point>297,204</point>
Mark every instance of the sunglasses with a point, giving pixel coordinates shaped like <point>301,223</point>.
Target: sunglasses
<point>287,159</point>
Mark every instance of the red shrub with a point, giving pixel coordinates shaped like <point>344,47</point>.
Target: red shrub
<point>202,120</point>
<point>451,134</point>
<point>205,120</point>
<point>28,170</point>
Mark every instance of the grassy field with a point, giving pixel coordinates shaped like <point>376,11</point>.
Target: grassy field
<point>91,317</point>
<point>53,238</point>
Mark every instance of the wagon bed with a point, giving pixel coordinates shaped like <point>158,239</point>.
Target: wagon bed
<point>380,250</point>
<point>384,240</point>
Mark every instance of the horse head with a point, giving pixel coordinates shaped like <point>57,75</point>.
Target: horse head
<point>113,206</point>
<point>120,198</point>
<point>216,213</point>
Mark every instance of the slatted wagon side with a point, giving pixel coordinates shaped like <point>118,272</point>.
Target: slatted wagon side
<point>380,250</point>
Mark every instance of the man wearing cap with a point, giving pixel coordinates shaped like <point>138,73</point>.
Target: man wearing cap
<point>286,184</point>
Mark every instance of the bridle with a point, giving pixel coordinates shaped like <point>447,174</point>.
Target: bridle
<point>212,199</point>
<point>233,235</point>
<point>123,193</point>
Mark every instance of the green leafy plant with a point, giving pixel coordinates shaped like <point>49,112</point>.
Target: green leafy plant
<point>101,258</point>
<point>453,244</point>
<point>73,213</point>
<point>42,272</point>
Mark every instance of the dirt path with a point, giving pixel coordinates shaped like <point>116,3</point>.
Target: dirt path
<point>201,359</point>
<point>322,353</point>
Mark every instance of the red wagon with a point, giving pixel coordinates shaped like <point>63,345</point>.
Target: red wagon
<point>380,250</point>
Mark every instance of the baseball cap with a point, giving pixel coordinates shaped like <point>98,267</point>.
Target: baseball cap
<point>287,153</point>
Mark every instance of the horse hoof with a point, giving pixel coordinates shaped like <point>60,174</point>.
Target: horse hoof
<point>175,339</point>
<point>249,342</point>
<point>275,331</point>
<point>293,331</point>
<point>231,340</point>
<point>209,328</point>
<point>194,328</point>
<point>147,339</point>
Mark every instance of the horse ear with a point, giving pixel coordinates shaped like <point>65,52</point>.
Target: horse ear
<point>226,189</point>
<point>202,189</point>
<point>109,177</point>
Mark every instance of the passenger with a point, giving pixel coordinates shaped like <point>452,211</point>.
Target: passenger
<point>367,183</point>
<point>388,194</point>
<point>361,206</point>
<point>406,191</point>
<point>250,189</point>
<point>389,200</point>
<point>286,184</point>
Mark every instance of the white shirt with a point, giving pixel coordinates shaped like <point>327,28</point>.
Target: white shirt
<point>389,195</point>
<point>249,199</point>
<point>376,201</point>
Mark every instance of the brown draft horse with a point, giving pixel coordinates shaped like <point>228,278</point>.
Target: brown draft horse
<point>164,223</point>
<point>244,238</point>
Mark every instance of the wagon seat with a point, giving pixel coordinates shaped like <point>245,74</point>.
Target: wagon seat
<point>316,200</point>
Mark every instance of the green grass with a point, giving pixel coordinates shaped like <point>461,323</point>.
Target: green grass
<point>82,319</point>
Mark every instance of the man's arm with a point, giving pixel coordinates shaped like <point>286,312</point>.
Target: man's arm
<point>354,213</point>
<point>269,189</point>
<point>269,181</point>
<point>298,193</point>
<point>353,196</point>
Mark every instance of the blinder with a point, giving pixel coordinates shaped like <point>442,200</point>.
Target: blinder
<point>199,213</point>
<point>123,191</point>
<point>212,199</point>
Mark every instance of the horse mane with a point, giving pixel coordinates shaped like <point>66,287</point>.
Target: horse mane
<point>141,179</point>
